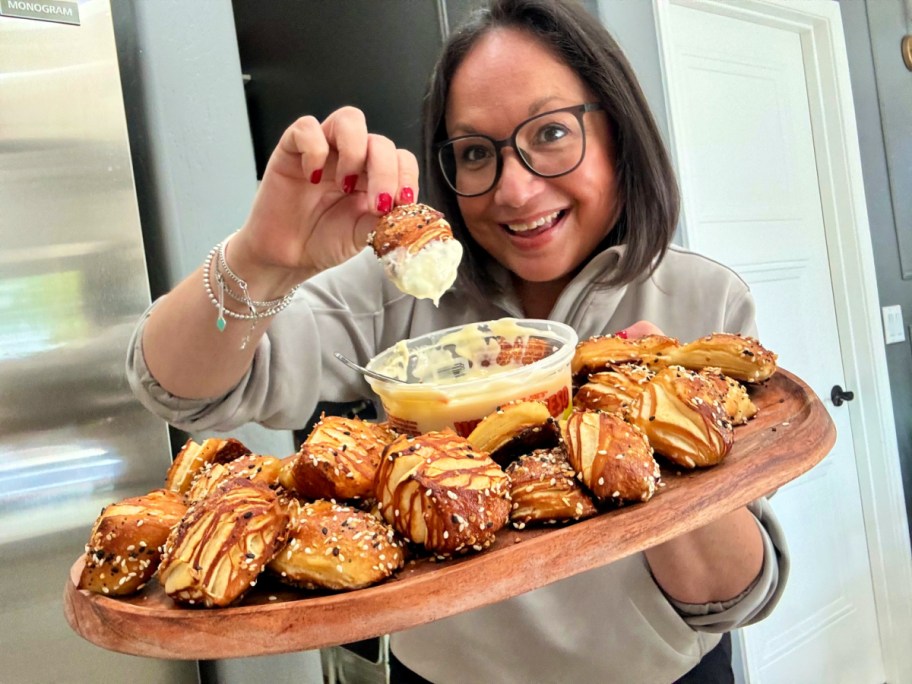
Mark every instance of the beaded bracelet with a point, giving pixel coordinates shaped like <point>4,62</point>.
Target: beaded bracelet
<point>257,310</point>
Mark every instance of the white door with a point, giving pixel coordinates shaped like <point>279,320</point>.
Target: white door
<point>745,152</point>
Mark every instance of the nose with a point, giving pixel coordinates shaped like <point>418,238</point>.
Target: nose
<point>516,184</point>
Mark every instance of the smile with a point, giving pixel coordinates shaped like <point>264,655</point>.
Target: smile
<point>539,225</point>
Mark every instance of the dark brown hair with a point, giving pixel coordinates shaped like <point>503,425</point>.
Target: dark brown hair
<point>645,178</point>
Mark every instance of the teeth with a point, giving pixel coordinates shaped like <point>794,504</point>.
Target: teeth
<point>523,227</point>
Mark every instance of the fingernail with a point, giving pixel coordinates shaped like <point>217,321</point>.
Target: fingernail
<point>384,202</point>
<point>407,196</point>
<point>316,176</point>
<point>622,334</point>
<point>348,184</point>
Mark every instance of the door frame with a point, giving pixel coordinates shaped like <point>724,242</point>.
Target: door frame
<point>818,24</point>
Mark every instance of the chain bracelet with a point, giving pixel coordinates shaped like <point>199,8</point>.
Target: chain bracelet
<point>270,308</point>
<point>245,298</point>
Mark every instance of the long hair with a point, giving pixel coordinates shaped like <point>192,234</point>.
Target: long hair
<point>645,178</point>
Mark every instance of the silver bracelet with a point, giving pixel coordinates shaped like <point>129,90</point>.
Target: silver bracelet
<point>244,298</point>
<point>257,310</point>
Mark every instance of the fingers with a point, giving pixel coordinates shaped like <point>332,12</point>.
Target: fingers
<point>382,172</point>
<point>305,141</point>
<point>370,163</point>
<point>341,152</point>
<point>346,132</point>
<point>408,177</point>
<point>638,330</point>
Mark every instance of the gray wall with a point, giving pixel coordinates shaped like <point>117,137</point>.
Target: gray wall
<point>882,90</point>
<point>191,146</point>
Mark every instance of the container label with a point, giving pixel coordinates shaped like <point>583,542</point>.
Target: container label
<point>58,11</point>
<point>408,427</point>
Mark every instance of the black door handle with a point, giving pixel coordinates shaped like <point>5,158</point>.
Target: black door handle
<point>839,395</point>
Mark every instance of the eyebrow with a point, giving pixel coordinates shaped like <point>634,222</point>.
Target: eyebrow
<point>534,108</point>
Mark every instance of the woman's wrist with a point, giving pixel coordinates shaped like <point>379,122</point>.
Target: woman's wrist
<point>264,281</point>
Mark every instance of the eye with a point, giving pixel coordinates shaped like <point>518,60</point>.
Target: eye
<point>551,133</point>
<point>474,154</point>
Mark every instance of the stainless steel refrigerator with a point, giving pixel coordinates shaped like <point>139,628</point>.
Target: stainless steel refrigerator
<point>72,283</point>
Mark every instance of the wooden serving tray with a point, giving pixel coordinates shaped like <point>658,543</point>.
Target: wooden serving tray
<point>791,434</point>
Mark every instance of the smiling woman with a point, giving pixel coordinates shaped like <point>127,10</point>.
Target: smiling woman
<point>542,154</point>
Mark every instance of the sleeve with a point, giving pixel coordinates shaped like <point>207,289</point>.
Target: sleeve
<point>759,599</point>
<point>740,314</point>
<point>350,309</point>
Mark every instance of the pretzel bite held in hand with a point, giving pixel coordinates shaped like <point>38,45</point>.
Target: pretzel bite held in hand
<point>416,247</point>
<point>614,390</point>
<point>739,357</point>
<point>216,552</point>
<point>544,488</point>
<point>613,458</point>
<point>338,460</point>
<point>192,457</point>
<point>123,549</point>
<point>681,413</point>
<point>599,353</point>
<point>333,546</point>
<point>436,490</point>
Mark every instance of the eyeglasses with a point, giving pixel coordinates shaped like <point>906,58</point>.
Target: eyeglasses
<point>549,145</point>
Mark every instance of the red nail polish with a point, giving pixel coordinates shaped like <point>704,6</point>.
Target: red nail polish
<point>384,202</point>
<point>622,334</point>
<point>348,184</point>
<point>407,196</point>
<point>316,176</point>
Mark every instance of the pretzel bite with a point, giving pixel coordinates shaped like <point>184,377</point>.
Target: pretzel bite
<point>739,357</point>
<point>417,249</point>
<point>613,390</point>
<point>515,428</point>
<point>263,469</point>
<point>544,488</point>
<point>438,491</point>
<point>216,552</point>
<point>332,546</point>
<point>735,401</point>
<point>338,460</point>
<point>682,415</point>
<point>192,457</point>
<point>612,458</point>
<point>598,353</point>
<point>123,549</point>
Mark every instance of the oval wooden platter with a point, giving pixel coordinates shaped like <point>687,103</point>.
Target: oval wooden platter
<point>791,434</point>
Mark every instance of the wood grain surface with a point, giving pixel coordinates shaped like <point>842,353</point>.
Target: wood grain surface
<point>790,435</point>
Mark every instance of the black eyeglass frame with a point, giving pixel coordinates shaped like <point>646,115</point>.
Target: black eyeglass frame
<point>577,110</point>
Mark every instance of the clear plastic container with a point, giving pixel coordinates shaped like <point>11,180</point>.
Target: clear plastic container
<point>457,376</point>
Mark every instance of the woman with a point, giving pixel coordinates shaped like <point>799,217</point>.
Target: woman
<point>581,236</point>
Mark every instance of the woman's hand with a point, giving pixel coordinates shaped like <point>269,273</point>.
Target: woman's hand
<point>323,189</point>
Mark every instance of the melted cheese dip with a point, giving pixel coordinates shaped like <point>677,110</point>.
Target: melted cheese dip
<point>452,378</point>
<point>427,274</point>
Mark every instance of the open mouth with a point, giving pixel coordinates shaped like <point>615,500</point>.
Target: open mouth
<point>536,227</point>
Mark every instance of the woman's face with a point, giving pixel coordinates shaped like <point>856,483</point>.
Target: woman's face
<point>541,229</point>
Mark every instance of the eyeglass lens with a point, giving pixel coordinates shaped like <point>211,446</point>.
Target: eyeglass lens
<point>550,144</point>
